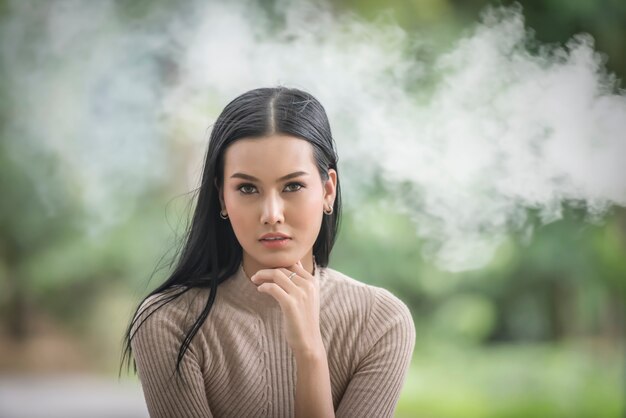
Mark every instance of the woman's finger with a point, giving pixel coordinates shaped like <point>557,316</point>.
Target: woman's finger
<point>278,293</point>
<point>275,276</point>
<point>300,271</point>
<point>302,278</point>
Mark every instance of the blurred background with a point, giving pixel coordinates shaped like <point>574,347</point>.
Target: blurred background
<point>482,151</point>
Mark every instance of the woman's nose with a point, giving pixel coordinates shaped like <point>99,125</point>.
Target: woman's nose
<point>272,211</point>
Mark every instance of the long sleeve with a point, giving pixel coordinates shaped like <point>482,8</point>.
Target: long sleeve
<point>155,347</point>
<point>388,346</point>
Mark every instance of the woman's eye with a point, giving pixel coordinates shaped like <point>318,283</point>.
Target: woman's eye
<point>244,187</point>
<point>295,184</point>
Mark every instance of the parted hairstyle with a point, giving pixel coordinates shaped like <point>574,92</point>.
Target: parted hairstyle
<point>210,252</point>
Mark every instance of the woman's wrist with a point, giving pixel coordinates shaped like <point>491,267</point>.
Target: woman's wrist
<point>312,355</point>
<point>314,352</point>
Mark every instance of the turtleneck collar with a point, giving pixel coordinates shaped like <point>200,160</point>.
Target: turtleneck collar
<point>243,292</point>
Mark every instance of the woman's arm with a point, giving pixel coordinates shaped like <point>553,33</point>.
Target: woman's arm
<point>155,348</point>
<point>384,360</point>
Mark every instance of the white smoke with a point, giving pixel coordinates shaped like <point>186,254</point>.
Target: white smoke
<point>497,125</point>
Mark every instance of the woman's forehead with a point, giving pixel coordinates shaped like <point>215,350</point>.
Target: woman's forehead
<point>274,153</point>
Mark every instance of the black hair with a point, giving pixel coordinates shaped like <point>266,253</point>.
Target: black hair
<point>210,252</point>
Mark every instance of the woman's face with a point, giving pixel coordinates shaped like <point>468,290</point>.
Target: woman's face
<point>260,199</point>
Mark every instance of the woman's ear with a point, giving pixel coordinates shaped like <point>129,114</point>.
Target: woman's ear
<point>330,187</point>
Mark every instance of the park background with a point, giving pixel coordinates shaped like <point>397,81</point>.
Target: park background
<point>88,215</point>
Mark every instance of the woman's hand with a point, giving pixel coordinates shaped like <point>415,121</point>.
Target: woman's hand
<point>300,303</point>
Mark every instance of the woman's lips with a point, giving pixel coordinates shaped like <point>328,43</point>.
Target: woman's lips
<point>275,243</point>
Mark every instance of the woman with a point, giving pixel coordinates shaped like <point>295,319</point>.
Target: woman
<point>256,258</point>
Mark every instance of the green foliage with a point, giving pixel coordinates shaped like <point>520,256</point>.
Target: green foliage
<point>517,381</point>
<point>553,21</point>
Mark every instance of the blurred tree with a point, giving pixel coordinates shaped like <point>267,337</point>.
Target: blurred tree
<point>35,211</point>
<point>551,21</point>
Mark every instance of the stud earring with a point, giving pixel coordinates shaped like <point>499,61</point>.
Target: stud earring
<point>330,210</point>
<point>223,216</point>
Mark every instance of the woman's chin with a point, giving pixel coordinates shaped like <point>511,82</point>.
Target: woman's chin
<point>279,261</point>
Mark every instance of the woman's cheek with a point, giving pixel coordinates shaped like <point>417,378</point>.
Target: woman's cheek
<point>238,223</point>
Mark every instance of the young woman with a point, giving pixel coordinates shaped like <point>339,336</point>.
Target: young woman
<point>252,322</point>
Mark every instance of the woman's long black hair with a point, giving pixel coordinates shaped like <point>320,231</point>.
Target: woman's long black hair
<point>210,252</point>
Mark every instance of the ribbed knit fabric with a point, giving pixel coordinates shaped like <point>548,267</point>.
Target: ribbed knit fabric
<point>240,365</point>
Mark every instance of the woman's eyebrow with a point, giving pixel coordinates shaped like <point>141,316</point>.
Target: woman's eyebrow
<point>283,178</point>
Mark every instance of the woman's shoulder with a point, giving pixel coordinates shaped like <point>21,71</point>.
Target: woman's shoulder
<point>347,291</point>
<point>174,304</point>
<point>376,314</point>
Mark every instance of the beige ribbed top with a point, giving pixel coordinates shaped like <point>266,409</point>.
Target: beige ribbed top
<point>240,365</point>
